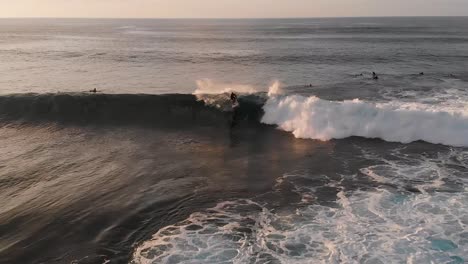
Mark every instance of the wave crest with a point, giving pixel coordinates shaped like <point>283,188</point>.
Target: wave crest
<point>312,117</point>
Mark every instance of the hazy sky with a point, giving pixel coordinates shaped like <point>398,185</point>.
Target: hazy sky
<point>230,8</point>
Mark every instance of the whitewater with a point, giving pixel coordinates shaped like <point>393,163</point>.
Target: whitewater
<point>315,118</point>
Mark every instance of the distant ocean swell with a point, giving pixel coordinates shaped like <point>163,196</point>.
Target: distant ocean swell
<point>305,117</point>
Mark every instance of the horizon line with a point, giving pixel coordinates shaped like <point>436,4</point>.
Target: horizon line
<point>239,18</point>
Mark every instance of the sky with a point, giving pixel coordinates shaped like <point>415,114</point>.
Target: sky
<point>230,8</point>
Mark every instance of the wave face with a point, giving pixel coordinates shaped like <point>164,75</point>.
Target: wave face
<point>132,109</point>
<point>305,117</point>
<point>312,117</point>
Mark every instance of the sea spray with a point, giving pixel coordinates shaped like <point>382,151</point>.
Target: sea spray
<point>275,89</point>
<point>208,86</point>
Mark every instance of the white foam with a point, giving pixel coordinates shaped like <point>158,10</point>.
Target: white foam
<point>416,171</point>
<point>312,117</point>
<point>367,227</point>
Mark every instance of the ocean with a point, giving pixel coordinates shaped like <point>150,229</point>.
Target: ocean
<point>320,162</point>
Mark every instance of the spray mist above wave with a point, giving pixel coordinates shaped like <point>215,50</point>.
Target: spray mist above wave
<point>312,117</point>
<point>217,94</point>
<point>207,86</point>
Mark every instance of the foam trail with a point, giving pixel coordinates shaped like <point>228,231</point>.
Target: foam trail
<point>312,117</point>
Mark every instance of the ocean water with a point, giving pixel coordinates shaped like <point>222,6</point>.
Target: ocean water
<point>320,163</point>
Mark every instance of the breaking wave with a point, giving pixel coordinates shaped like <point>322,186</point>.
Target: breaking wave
<point>315,118</point>
<point>305,117</point>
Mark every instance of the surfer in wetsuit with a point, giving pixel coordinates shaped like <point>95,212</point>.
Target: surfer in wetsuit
<point>93,91</point>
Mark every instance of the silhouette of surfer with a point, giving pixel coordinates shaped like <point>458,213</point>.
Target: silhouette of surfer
<point>93,91</point>
<point>233,98</point>
<point>235,105</point>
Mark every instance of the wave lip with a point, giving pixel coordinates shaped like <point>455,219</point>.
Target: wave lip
<point>315,118</point>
